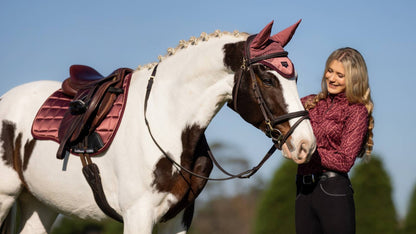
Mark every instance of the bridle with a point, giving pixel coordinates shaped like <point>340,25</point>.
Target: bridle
<point>272,132</point>
<point>270,121</point>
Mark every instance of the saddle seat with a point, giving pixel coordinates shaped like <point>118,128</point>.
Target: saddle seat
<point>93,96</point>
<point>80,77</point>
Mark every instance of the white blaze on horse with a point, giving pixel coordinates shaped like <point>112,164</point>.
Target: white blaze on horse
<point>158,160</point>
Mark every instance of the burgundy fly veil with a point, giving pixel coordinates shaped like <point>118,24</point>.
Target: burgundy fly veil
<point>263,44</point>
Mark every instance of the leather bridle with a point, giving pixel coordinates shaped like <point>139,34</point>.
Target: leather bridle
<point>270,121</point>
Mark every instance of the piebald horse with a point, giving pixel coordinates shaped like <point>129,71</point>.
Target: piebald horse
<point>146,172</point>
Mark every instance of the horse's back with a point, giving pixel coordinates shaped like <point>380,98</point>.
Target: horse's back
<point>20,104</point>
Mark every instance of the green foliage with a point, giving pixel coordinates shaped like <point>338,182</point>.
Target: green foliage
<point>375,212</point>
<point>410,221</point>
<point>276,209</point>
<point>69,225</point>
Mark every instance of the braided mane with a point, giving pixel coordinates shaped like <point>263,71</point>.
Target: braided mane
<point>192,41</point>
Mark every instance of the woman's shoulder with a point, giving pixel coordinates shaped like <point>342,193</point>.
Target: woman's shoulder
<point>307,98</point>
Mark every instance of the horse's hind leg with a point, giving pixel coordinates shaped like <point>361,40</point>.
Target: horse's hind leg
<point>8,215</point>
<point>35,216</point>
<point>10,188</point>
<point>6,203</point>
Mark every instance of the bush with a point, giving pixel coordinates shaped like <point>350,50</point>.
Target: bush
<point>375,212</point>
<point>276,209</point>
<point>410,221</point>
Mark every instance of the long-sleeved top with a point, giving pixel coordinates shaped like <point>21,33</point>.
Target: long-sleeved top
<point>340,128</point>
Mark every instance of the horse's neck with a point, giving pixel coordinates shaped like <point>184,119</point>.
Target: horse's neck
<point>191,86</point>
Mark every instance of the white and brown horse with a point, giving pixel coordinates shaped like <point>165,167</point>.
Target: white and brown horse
<point>145,172</point>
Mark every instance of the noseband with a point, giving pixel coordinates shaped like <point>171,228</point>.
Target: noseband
<point>270,121</point>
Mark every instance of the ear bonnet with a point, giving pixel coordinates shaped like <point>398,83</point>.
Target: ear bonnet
<point>263,44</point>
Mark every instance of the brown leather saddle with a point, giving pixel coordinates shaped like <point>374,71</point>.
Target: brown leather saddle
<point>93,97</point>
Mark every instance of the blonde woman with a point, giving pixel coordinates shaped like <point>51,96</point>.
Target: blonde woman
<point>341,117</point>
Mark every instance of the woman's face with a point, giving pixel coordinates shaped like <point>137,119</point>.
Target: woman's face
<point>335,77</point>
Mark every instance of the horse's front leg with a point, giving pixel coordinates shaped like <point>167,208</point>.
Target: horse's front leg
<point>139,218</point>
<point>141,214</point>
<point>173,226</point>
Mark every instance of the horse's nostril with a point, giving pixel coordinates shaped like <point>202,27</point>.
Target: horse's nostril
<point>303,151</point>
<point>303,148</point>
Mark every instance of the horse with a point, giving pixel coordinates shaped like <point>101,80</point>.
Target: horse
<point>157,163</point>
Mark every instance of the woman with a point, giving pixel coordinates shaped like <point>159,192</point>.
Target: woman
<point>341,118</point>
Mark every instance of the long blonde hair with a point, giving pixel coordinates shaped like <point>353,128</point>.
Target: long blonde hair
<point>357,88</point>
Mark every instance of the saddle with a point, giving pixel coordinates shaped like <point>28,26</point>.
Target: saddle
<point>93,97</point>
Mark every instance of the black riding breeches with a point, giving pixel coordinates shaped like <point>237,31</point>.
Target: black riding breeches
<point>325,206</point>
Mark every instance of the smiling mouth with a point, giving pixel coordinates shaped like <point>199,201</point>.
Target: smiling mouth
<point>333,85</point>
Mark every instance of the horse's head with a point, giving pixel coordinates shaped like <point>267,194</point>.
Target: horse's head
<point>265,92</point>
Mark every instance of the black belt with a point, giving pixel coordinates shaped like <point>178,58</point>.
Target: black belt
<point>313,178</point>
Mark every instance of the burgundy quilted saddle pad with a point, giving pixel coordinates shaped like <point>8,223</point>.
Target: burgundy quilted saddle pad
<point>49,117</point>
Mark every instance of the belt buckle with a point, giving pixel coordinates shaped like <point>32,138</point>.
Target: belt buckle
<point>310,179</point>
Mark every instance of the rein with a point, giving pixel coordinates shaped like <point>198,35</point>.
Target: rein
<point>243,175</point>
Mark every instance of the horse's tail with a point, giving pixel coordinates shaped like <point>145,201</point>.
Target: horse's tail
<point>9,224</point>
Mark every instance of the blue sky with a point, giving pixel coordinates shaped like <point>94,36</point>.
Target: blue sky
<point>41,39</point>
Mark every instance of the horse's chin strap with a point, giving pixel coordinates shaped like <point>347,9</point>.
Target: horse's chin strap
<point>243,175</point>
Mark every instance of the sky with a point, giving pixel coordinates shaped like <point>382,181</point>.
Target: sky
<point>40,39</point>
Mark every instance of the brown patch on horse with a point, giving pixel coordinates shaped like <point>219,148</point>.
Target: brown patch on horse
<point>7,137</point>
<point>271,91</point>
<point>233,55</point>
<point>29,146</point>
<point>11,149</point>
<point>181,184</point>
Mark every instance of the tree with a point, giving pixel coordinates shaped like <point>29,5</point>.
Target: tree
<point>276,209</point>
<point>375,212</point>
<point>410,221</point>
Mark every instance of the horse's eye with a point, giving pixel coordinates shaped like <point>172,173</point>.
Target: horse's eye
<point>267,81</point>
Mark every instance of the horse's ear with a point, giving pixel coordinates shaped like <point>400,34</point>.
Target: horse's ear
<point>284,36</point>
<point>262,37</point>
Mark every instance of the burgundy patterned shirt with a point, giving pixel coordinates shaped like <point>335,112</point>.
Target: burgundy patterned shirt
<point>340,129</point>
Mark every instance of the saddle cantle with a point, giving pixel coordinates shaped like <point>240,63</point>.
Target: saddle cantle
<point>81,77</point>
<point>84,114</point>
